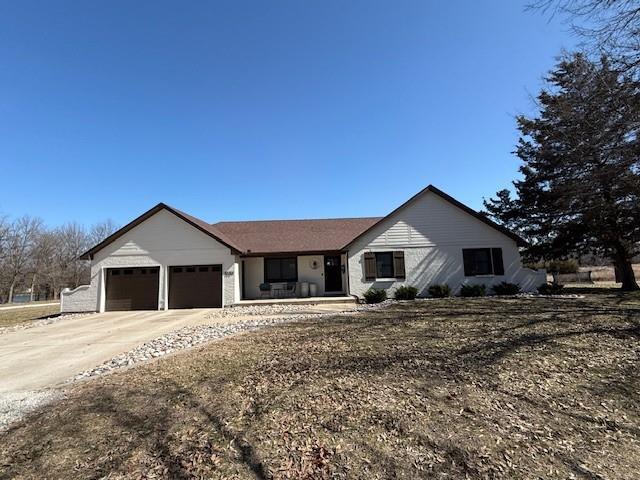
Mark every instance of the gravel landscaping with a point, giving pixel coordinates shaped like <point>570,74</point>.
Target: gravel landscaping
<point>187,337</point>
<point>15,405</point>
<point>292,308</point>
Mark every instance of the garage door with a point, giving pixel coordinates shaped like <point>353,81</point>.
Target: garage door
<point>195,286</point>
<point>132,288</point>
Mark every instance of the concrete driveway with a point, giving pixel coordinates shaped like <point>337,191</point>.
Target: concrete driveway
<point>48,355</point>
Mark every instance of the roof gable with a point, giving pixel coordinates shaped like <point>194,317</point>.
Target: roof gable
<point>519,240</point>
<point>204,227</point>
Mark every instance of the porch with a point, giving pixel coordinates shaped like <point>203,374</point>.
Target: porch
<point>298,301</point>
<point>282,277</point>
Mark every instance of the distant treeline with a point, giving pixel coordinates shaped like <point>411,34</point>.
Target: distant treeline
<point>41,261</point>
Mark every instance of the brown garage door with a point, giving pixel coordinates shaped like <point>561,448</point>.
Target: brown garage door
<point>132,288</point>
<point>195,286</point>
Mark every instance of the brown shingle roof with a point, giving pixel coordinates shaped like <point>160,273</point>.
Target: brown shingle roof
<point>294,236</point>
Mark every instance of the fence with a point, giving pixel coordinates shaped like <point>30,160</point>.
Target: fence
<point>578,277</point>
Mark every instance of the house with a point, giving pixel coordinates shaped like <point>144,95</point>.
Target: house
<point>168,259</point>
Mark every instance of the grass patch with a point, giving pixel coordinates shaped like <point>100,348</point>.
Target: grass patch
<point>14,316</point>
<point>448,388</point>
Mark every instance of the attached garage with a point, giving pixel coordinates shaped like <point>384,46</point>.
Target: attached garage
<point>132,288</point>
<point>195,286</point>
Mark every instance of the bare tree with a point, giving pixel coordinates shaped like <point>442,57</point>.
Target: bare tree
<point>101,230</point>
<point>42,260</point>
<point>73,241</point>
<point>43,271</point>
<point>608,26</point>
<point>4,233</point>
<point>19,245</point>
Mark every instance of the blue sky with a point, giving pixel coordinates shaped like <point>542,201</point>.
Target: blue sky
<point>262,109</point>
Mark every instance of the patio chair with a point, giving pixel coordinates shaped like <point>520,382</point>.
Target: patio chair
<point>278,289</point>
<point>265,290</point>
<point>290,289</point>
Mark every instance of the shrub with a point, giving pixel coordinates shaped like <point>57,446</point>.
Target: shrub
<point>406,293</point>
<point>473,290</point>
<point>563,266</point>
<point>440,290</point>
<point>550,289</point>
<point>375,295</point>
<point>506,288</point>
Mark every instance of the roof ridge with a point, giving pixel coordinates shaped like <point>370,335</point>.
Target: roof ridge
<point>299,220</point>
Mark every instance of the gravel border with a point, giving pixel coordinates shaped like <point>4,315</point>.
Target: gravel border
<point>15,405</point>
<point>188,337</point>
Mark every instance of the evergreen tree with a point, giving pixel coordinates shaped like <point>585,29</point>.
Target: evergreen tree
<point>580,191</point>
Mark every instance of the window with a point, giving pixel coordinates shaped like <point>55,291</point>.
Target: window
<point>384,265</point>
<point>203,269</point>
<point>280,269</point>
<point>190,269</point>
<point>482,261</point>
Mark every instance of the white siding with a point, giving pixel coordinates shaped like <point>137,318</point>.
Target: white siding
<point>253,276</point>
<point>162,240</point>
<point>432,232</point>
<point>430,221</point>
<point>307,274</point>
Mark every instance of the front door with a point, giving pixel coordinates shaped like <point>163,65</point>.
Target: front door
<point>332,273</point>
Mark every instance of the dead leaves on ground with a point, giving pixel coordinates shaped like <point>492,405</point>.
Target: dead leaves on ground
<point>458,388</point>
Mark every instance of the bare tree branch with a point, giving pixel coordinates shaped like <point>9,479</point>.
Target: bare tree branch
<point>611,27</point>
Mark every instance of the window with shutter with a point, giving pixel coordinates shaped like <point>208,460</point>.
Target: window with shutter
<point>398,264</point>
<point>384,264</point>
<point>477,261</point>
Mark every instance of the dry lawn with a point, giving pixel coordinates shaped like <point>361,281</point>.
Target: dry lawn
<point>454,388</point>
<point>14,316</point>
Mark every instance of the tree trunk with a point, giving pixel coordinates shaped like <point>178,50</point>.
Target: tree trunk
<point>33,287</point>
<point>11,287</point>
<point>627,276</point>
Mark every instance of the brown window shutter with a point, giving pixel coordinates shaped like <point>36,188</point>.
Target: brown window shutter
<point>369,266</point>
<point>467,258</point>
<point>398,264</point>
<point>498,264</point>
